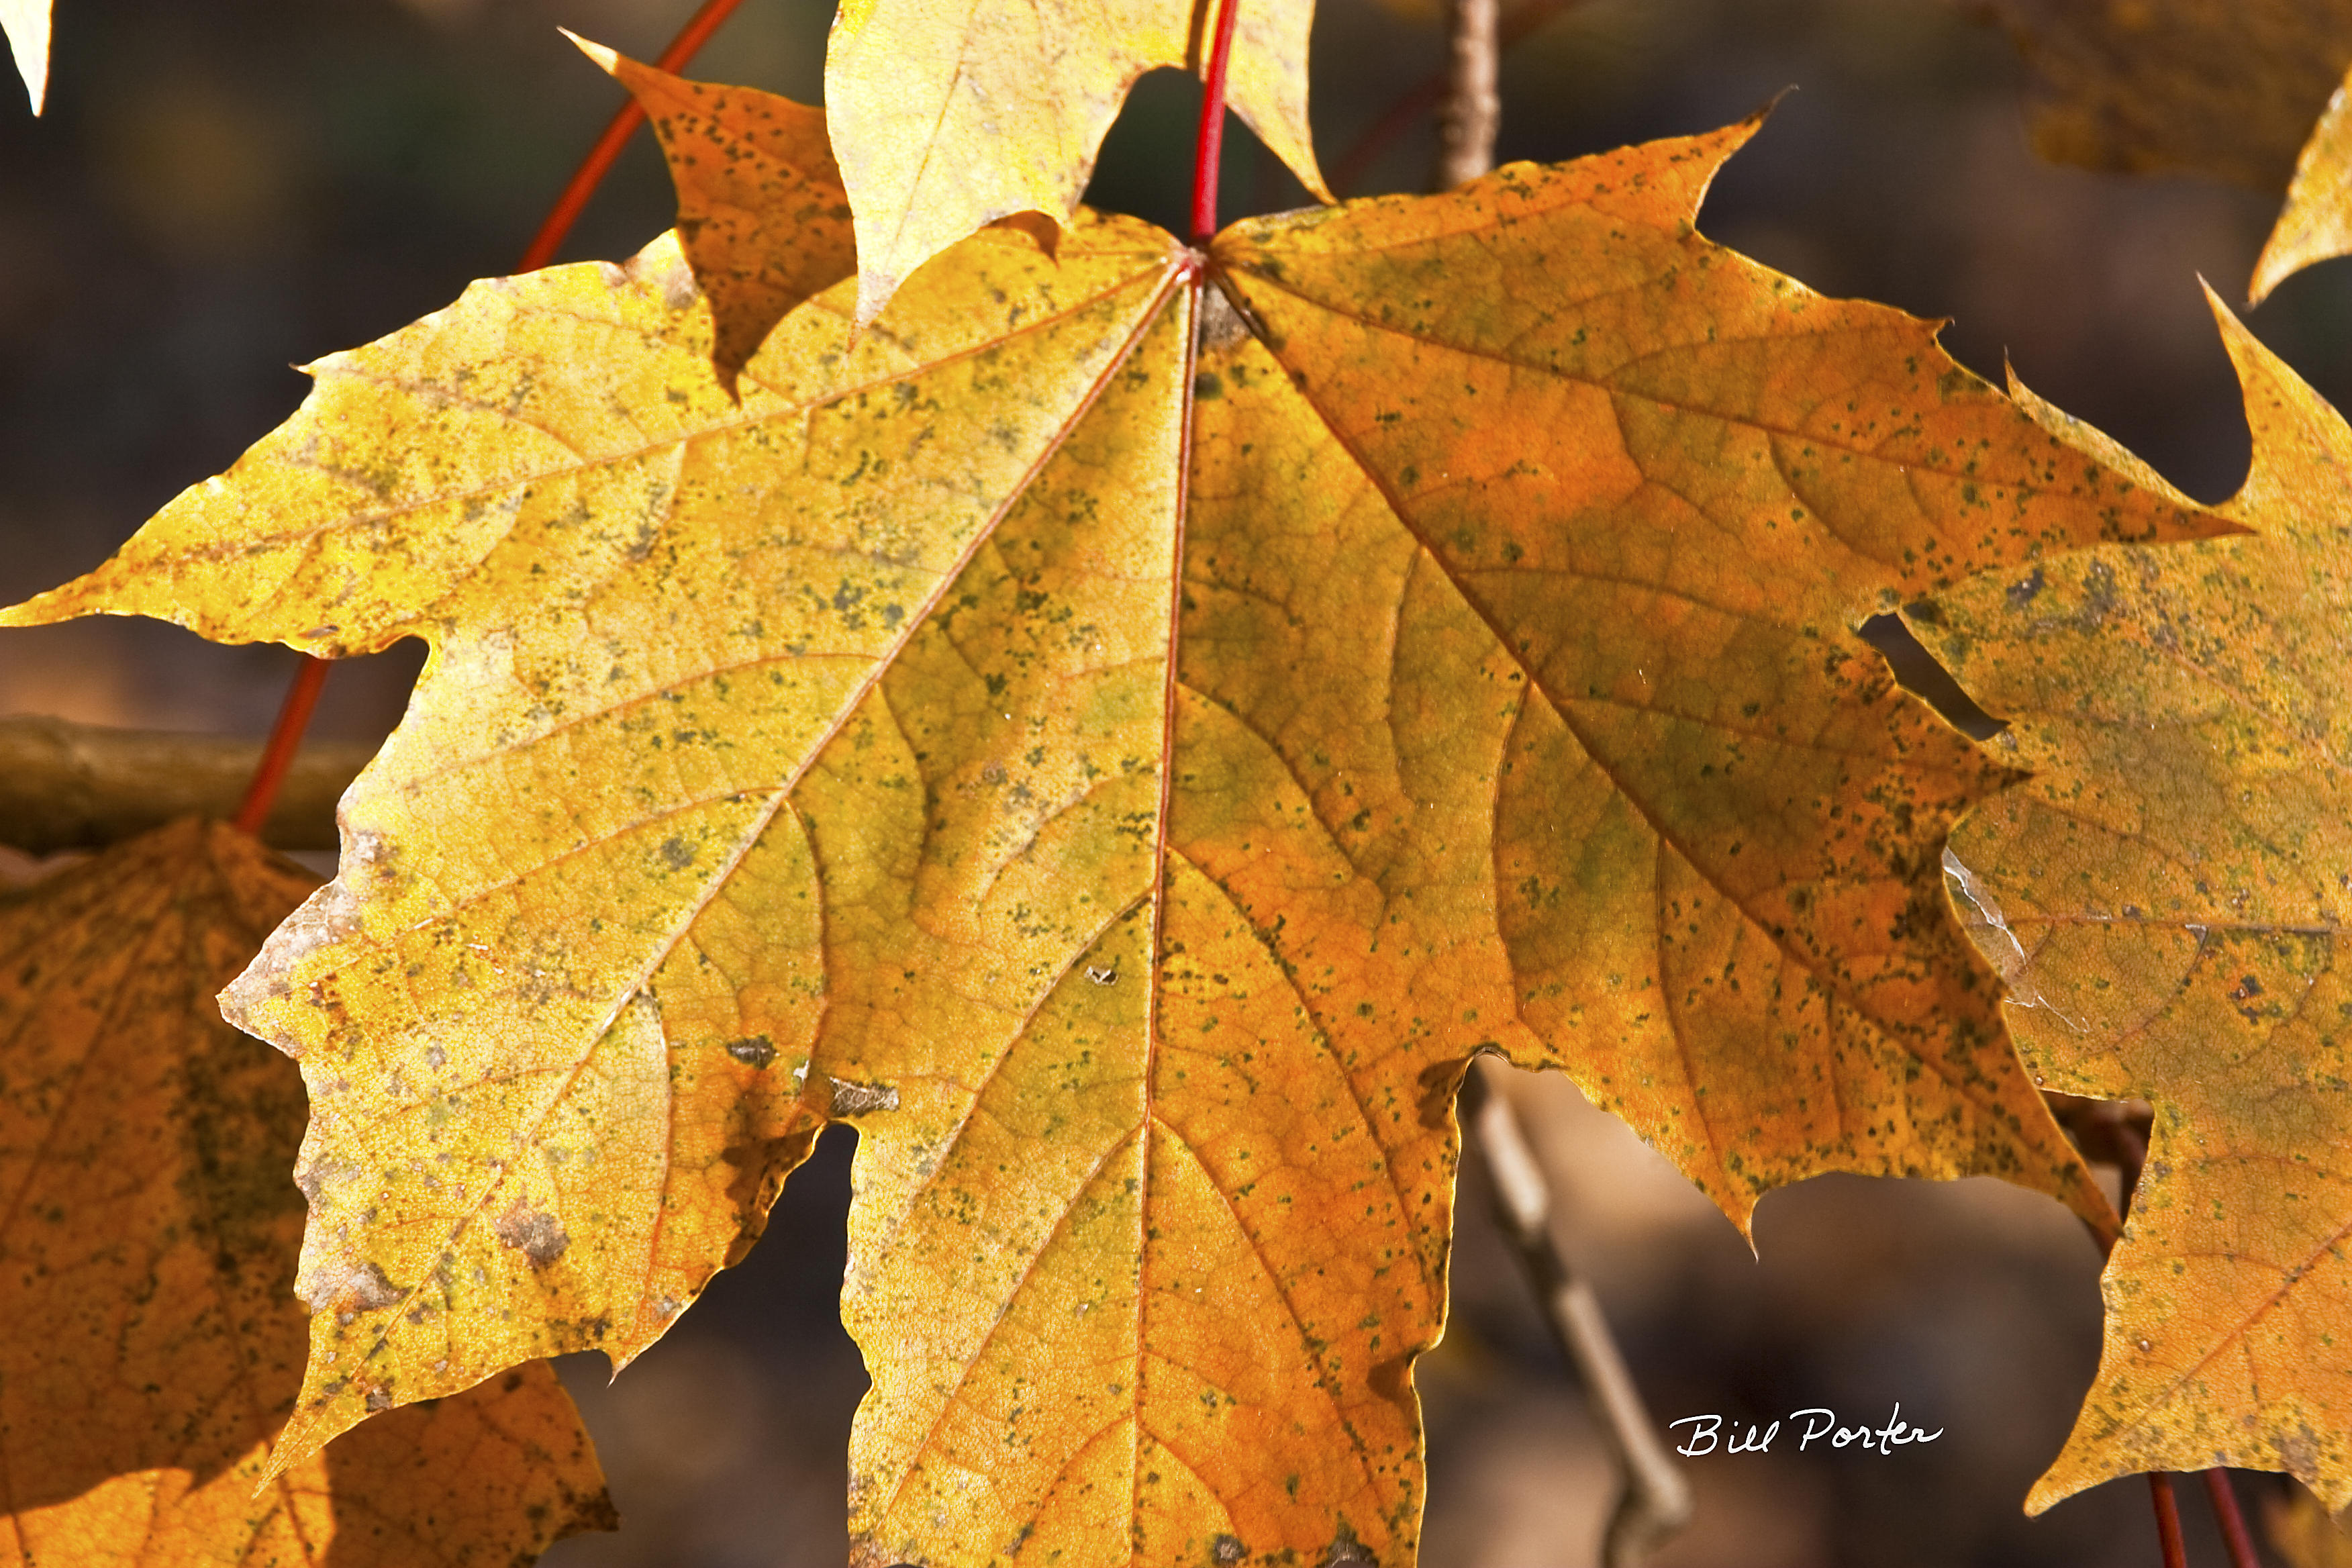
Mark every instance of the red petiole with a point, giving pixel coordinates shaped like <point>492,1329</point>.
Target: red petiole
<point>1208,147</point>
<point>285,739</point>
<point>2167,1521</point>
<point>2232,1520</point>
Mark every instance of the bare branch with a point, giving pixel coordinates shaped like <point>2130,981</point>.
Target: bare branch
<point>1472,110</point>
<point>1526,18</point>
<point>79,786</point>
<point>1657,1501</point>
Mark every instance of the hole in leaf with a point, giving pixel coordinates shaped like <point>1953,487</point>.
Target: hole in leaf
<point>1917,672</point>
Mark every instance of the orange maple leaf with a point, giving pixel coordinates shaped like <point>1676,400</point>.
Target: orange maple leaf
<point>761,215</point>
<point>153,1345</point>
<point>1125,732</point>
<point>2166,900</point>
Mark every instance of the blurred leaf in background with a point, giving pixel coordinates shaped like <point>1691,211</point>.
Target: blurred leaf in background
<point>154,1342</point>
<point>2215,86</point>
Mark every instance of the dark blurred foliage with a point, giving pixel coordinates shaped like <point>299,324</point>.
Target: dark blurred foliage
<point>223,188</point>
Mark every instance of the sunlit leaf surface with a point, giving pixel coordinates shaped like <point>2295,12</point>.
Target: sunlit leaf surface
<point>1123,732</point>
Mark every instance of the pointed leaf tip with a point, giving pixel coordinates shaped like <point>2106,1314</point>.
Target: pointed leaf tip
<point>2297,475</point>
<point>2092,441</point>
<point>26,24</point>
<point>2316,223</point>
<point>609,60</point>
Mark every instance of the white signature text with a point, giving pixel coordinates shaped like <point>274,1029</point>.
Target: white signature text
<point>1819,1425</point>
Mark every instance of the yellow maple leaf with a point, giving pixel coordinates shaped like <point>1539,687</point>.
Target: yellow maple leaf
<point>153,1345</point>
<point>950,114</point>
<point>2166,901</point>
<point>1124,731</point>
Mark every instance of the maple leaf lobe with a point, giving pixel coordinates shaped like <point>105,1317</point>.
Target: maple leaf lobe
<point>763,220</point>
<point>2165,899</point>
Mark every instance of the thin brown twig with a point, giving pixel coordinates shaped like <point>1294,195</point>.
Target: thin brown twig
<point>1473,110</point>
<point>1657,1500</point>
<point>1429,92</point>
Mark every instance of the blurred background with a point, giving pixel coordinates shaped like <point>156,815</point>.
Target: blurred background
<point>221,190</point>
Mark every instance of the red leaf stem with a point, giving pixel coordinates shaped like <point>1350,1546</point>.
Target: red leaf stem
<point>285,739</point>
<point>1208,145</point>
<point>2167,1520</point>
<point>2234,1533</point>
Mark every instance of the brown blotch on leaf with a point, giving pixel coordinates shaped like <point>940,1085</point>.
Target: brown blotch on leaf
<point>534,1231</point>
<point>1219,326</point>
<point>354,1288</point>
<point>753,1050</point>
